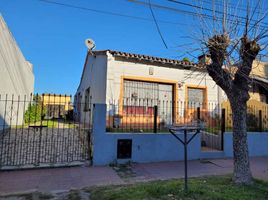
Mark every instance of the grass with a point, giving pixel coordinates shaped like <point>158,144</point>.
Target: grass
<point>206,188</point>
<point>49,124</point>
<point>135,130</point>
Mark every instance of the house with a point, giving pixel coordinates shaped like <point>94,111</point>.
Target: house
<point>56,105</point>
<point>259,89</point>
<point>259,76</point>
<point>131,85</point>
<point>137,96</point>
<point>16,78</point>
<point>257,105</point>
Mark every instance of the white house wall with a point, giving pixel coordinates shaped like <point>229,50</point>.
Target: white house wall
<point>117,69</point>
<point>94,76</point>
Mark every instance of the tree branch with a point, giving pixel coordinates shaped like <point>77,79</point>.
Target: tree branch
<point>217,46</point>
<point>248,51</point>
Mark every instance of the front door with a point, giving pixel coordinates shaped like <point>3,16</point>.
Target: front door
<point>166,104</point>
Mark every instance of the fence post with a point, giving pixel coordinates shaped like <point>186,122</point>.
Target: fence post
<point>198,113</point>
<point>222,128</point>
<point>155,119</point>
<point>260,120</point>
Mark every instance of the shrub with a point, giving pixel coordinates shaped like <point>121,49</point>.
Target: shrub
<point>35,111</point>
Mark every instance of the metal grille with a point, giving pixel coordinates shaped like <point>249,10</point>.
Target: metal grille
<point>141,97</point>
<point>41,130</point>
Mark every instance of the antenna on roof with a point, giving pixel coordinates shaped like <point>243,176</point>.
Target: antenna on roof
<point>90,44</point>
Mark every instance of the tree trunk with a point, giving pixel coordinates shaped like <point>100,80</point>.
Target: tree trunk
<point>242,173</point>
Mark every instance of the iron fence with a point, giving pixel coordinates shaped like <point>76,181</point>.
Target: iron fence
<point>257,118</point>
<point>151,115</point>
<point>37,130</point>
<point>145,115</point>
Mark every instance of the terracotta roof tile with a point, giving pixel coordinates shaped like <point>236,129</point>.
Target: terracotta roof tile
<point>148,58</point>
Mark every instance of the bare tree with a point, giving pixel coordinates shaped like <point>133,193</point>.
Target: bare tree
<point>233,43</point>
<point>234,34</point>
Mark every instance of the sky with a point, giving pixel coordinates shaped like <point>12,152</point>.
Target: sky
<point>52,36</point>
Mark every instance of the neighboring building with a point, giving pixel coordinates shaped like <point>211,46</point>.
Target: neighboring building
<point>16,78</point>
<point>132,84</point>
<point>259,76</point>
<point>259,89</point>
<point>56,105</point>
<point>16,72</point>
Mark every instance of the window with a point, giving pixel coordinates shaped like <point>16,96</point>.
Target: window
<point>139,97</point>
<point>87,100</point>
<point>196,97</point>
<point>263,94</point>
<point>78,101</point>
<point>78,106</point>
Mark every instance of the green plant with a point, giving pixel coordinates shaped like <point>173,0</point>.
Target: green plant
<point>36,111</point>
<point>186,59</point>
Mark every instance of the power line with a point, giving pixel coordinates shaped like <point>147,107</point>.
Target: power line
<point>108,12</point>
<point>207,16</point>
<point>208,9</point>
<point>156,24</point>
<point>230,5</point>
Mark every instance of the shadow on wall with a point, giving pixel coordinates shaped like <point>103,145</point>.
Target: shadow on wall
<point>3,124</point>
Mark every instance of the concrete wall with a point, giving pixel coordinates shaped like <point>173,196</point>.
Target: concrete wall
<point>16,72</point>
<point>257,144</point>
<point>145,147</point>
<point>16,77</point>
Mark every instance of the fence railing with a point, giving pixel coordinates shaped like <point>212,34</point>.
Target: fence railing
<point>150,115</point>
<point>257,117</point>
<point>145,115</point>
<point>38,129</point>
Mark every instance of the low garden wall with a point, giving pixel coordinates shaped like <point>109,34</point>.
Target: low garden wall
<point>257,144</point>
<point>146,147</point>
<point>157,147</point>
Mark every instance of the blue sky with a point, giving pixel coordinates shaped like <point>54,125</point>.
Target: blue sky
<point>52,37</point>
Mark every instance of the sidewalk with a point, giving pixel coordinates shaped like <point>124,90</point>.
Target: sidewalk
<point>196,168</point>
<point>55,179</point>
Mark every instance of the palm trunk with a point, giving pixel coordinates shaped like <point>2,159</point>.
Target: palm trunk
<point>242,173</point>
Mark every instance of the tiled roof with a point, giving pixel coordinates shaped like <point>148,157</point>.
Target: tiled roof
<point>148,58</point>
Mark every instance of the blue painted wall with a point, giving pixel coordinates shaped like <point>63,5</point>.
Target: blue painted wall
<point>146,147</point>
<point>151,147</point>
<point>257,144</point>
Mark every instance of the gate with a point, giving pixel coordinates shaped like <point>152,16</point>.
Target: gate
<point>212,138</point>
<point>42,131</point>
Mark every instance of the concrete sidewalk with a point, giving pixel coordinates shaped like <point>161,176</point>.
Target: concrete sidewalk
<point>196,168</point>
<point>55,179</point>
